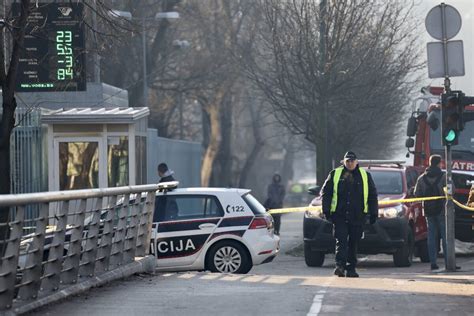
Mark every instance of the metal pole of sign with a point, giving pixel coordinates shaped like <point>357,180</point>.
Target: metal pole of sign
<point>449,253</point>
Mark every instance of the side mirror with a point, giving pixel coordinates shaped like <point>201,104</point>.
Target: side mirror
<point>433,121</point>
<point>409,143</point>
<point>314,190</point>
<point>412,127</point>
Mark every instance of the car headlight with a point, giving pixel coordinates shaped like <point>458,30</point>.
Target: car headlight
<point>391,212</point>
<point>314,213</point>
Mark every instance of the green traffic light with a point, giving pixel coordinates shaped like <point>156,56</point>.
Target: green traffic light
<point>450,136</point>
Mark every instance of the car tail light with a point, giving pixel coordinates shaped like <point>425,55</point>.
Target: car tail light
<point>261,222</point>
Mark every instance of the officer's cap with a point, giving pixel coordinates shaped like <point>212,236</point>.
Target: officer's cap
<point>350,156</point>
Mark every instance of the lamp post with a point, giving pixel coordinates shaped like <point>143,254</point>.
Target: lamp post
<point>160,15</point>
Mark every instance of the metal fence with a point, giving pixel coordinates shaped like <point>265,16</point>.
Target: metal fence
<point>27,170</point>
<point>77,235</point>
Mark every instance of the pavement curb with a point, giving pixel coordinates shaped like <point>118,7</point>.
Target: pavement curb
<point>140,265</point>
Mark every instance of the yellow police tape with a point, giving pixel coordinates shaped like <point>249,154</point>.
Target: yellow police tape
<point>383,202</point>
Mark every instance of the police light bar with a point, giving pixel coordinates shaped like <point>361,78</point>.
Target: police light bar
<point>168,185</point>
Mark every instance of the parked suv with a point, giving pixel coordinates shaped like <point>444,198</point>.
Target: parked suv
<point>401,228</point>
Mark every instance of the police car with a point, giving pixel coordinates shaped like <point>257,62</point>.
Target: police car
<point>221,230</point>
<point>216,229</point>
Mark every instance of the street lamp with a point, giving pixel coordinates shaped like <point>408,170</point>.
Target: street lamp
<point>128,16</point>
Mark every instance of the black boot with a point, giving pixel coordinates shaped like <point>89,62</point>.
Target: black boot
<point>352,274</point>
<point>339,271</point>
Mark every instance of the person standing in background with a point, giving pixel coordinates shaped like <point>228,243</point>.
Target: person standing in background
<point>275,196</point>
<point>165,174</point>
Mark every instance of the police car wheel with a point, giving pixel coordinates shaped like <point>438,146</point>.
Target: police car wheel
<point>229,257</point>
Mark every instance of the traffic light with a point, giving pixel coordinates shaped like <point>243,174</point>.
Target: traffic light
<point>452,109</point>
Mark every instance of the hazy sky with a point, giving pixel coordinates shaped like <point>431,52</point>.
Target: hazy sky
<point>466,9</point>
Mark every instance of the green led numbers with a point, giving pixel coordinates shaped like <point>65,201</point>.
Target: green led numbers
<point>65,55</point>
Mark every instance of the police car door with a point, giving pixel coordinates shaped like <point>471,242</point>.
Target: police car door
<point>184,225</point>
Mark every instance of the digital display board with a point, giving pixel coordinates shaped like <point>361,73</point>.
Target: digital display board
<point>53,53</point>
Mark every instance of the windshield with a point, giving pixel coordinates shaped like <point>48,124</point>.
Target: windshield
<point>387,182</point>
<point>462,151</point>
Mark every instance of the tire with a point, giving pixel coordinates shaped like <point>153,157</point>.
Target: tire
<point>423,251</point>
<point>313,258</point>
<point>229,257</point>
<point>404,256</point>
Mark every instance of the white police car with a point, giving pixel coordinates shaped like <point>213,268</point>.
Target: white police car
<point>216,229</point>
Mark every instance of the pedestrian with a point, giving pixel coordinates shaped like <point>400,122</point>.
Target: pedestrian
<point>275,196</point>
<point>431,183</point>
<point>349,200</point>
<point>165,174</point>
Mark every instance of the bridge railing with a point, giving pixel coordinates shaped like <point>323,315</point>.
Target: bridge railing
<point>77,235</point>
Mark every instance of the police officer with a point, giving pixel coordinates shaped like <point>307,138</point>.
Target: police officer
<point>349,199</point>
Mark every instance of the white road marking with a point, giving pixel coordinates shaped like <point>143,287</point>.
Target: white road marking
<point>317,303</point>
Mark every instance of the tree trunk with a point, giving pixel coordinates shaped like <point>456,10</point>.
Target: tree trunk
<point>257,147</point>
<point>321,172</point>
<point>7,121</point>
<point>222,175</point>
<point>214,144</point>
<point>287,169</point>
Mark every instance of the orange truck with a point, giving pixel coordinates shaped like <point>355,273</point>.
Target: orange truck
<point>424,139</point>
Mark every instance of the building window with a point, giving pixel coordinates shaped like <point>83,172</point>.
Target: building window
<point>78,165</point>
<point>117,161</point>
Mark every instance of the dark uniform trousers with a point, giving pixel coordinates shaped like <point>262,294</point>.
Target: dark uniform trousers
<point>347,238</point>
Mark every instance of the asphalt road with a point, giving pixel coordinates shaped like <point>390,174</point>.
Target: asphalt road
<point>286,287</point>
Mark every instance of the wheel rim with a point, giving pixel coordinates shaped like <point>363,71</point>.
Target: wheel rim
<point>227,259</point>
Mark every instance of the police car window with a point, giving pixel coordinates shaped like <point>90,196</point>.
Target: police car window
<point>387,182</point>
<point>254,204</point>
<point>179,207</point>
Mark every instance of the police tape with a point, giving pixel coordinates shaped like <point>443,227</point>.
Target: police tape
<point>382,202</point>
<point>467,208</point>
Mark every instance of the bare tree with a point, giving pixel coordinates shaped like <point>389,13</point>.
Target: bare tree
<point>7,82</point>
<point>12,36</point>
<point>337,71</point>
<point>216,30</point>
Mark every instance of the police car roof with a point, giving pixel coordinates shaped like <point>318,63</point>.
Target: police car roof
<point>211,190</point>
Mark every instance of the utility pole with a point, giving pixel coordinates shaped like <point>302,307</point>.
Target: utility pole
<point>145,74</point>
<point>450,253</point>
<point>443,22</point>
<point>96,58</point>
<point>322,97</point>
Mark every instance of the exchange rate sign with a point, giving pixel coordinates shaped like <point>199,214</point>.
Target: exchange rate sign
<point>53,57</point>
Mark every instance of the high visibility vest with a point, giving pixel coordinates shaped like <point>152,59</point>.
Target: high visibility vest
<point>365,185</point>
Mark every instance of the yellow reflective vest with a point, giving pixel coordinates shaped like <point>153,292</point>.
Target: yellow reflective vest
<point>365,185</point>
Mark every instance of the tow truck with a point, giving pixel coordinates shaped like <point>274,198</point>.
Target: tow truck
<point>424,139</point>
